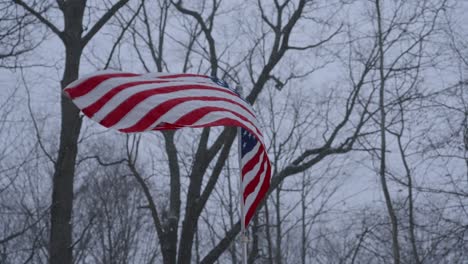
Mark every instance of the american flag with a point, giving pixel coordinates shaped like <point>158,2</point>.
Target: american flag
<point>132,102</point>
<point>256,171</point>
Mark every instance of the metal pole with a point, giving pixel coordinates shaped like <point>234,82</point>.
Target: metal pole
<point>244,235</point>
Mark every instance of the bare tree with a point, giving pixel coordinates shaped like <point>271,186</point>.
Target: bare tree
<point>333,84</point>
<point>383,143</point>
<point>60,248</point>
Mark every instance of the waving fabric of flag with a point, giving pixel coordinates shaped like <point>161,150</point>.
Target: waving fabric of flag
<point>256,171</point>
<point>132,102</point>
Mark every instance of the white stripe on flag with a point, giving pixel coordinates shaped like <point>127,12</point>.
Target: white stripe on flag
<point>249,176</point>
<point>251,198</point>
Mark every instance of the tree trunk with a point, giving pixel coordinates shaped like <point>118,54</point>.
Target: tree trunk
<point>60,247</point>
<point>383,142</point>
<point>172,221</point>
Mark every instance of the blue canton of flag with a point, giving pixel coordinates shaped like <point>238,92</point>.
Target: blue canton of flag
<point>224,84</point>
<point>219,82</point>
<point>248,142</point>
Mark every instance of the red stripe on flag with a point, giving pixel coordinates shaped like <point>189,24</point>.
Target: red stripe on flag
<point>251,163</point>
<point>254,182</point>
<point>187,120</point>
<point>154,114</point>
<point>90,83</point>
<point>96,106</point>
<point>261,194</point>
<point>197,114</point>
<point>141,96</point>
<point>220,122</point>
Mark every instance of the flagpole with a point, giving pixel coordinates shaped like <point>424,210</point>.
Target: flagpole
<point>244,235</point>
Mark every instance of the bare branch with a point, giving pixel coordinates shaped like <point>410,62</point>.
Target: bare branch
<point>206,30</point>
<point>102,21</point>
<point>315,45</point>
<point>41,18</point>
<point>36,128</point>
<point>122,33</point>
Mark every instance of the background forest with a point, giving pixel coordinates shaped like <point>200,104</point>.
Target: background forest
<point>363,104</point>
